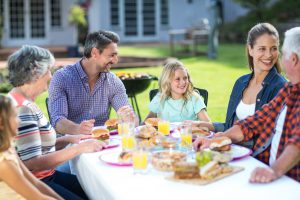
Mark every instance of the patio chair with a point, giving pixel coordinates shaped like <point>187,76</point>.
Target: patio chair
<point>202,92</point>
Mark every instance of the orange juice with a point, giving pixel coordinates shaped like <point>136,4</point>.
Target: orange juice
<point>128,142</point>
<point>140,160</point>
<point>186,140</point>
<point>123,128</point>
<point>164,127</point>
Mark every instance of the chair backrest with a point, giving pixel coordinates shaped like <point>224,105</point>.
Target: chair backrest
<point>47,101</point>
<point>202,92</point>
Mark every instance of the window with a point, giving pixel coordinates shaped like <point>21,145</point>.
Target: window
<point>37,19</point>
<point>114,12</point>
<point>55,13</point>
<point>16,15</point>
<point>164,12</point>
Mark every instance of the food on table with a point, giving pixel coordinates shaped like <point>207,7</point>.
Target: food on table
<point>210,170</point>
<point>128,75</point>
<point>164,160</point>
<point>220,143</point>
<point>212,164</point>
<point>125,157</point>
<point>111,124</point>
<point>203,157</point>
<point>168,142</point>
<point>152,122</point>
<point>186,170</point>
<point>146,132</point>
<point>202,131</point>
<point>101,134</point>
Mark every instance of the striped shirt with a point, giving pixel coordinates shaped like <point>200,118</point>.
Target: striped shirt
<point>36,136</point>
<point>70,96</point>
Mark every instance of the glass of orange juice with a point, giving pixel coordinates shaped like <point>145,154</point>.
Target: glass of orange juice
<point>124,128</point>
<point>164,127</point>
<point>140,161</point>
<point>186,135</point>
<point>128,142</point>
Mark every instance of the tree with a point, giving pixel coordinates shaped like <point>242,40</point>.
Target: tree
<point>77,17</point>
<point>255,6</point>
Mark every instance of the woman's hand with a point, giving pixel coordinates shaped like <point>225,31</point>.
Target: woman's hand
<point>75,139</point>
<point>199,124</point>
<point>91,146</point>
<point>263,175</point>
<point>201,143</point>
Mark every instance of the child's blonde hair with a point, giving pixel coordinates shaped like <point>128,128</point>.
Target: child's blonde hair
<point>6,132</point>
<point>166,77</point>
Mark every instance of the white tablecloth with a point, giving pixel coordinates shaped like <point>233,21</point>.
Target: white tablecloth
<point>101,181</point>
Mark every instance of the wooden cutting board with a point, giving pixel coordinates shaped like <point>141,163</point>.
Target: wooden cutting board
<point>200,181</point>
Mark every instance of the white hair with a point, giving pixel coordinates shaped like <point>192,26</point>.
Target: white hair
<point>291,42</point>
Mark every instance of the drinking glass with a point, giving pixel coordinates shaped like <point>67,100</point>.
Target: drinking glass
<point>140,161</point>
<point>125,123</point>
<point>186,136</point>
<point>128,142</point>
<point>164,127</point>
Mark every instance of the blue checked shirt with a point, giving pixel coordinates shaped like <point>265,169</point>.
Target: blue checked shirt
<point>70,96</point>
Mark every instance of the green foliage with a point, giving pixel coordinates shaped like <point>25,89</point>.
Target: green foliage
<point>279,12</point>
<point>77,16</point>
<point>255,6</point>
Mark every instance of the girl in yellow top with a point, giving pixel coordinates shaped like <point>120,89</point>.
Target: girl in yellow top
<point>176,100</point>
<point>16,182</point>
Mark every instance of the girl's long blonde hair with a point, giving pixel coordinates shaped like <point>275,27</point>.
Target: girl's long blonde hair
<point>166,78</point>
<point>6,132</point>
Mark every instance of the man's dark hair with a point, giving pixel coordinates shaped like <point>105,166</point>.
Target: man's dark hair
<point>100,40</point>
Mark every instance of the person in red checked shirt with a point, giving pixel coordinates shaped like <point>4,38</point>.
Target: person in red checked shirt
<point>277,124</point>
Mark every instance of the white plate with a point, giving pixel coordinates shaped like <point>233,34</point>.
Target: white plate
<point>239,152</point>
<point>112,158</point>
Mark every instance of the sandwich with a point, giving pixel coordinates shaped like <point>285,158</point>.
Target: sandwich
<point>210,170</point>
<point>101,134</point>
<point>125,157</point>
<point>202,131</point>
<point>146,132</point>
<point>220,143</point>
<point>152,122</point>
<point>111,124</point>
<point>186,170</point>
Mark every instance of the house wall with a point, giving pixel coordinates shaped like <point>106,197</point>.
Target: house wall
<point>182,15</point>
<point>65,35</point>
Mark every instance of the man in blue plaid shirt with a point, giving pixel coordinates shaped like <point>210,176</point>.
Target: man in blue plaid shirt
<point>80,95</point>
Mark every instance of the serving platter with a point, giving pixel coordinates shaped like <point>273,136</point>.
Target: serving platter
<point>201,181</point>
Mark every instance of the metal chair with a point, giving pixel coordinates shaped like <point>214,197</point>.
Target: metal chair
<point>202,92</point>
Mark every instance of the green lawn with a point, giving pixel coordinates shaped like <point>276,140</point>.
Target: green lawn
<point>217,76</point>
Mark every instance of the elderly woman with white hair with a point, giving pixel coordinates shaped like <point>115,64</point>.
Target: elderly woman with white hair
<point>36,142</point>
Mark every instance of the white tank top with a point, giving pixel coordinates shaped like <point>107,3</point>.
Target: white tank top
<point>244,110</point>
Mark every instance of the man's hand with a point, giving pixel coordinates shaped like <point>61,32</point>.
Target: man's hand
<point>263,175</point>
<point>126,114</point>
<point>201,143</point>
<point>86,126</point>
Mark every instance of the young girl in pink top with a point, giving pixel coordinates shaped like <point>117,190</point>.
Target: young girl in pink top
<point>16,182</point>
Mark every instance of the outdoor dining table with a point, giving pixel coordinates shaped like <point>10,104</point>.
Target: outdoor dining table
<point>102,181</point>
